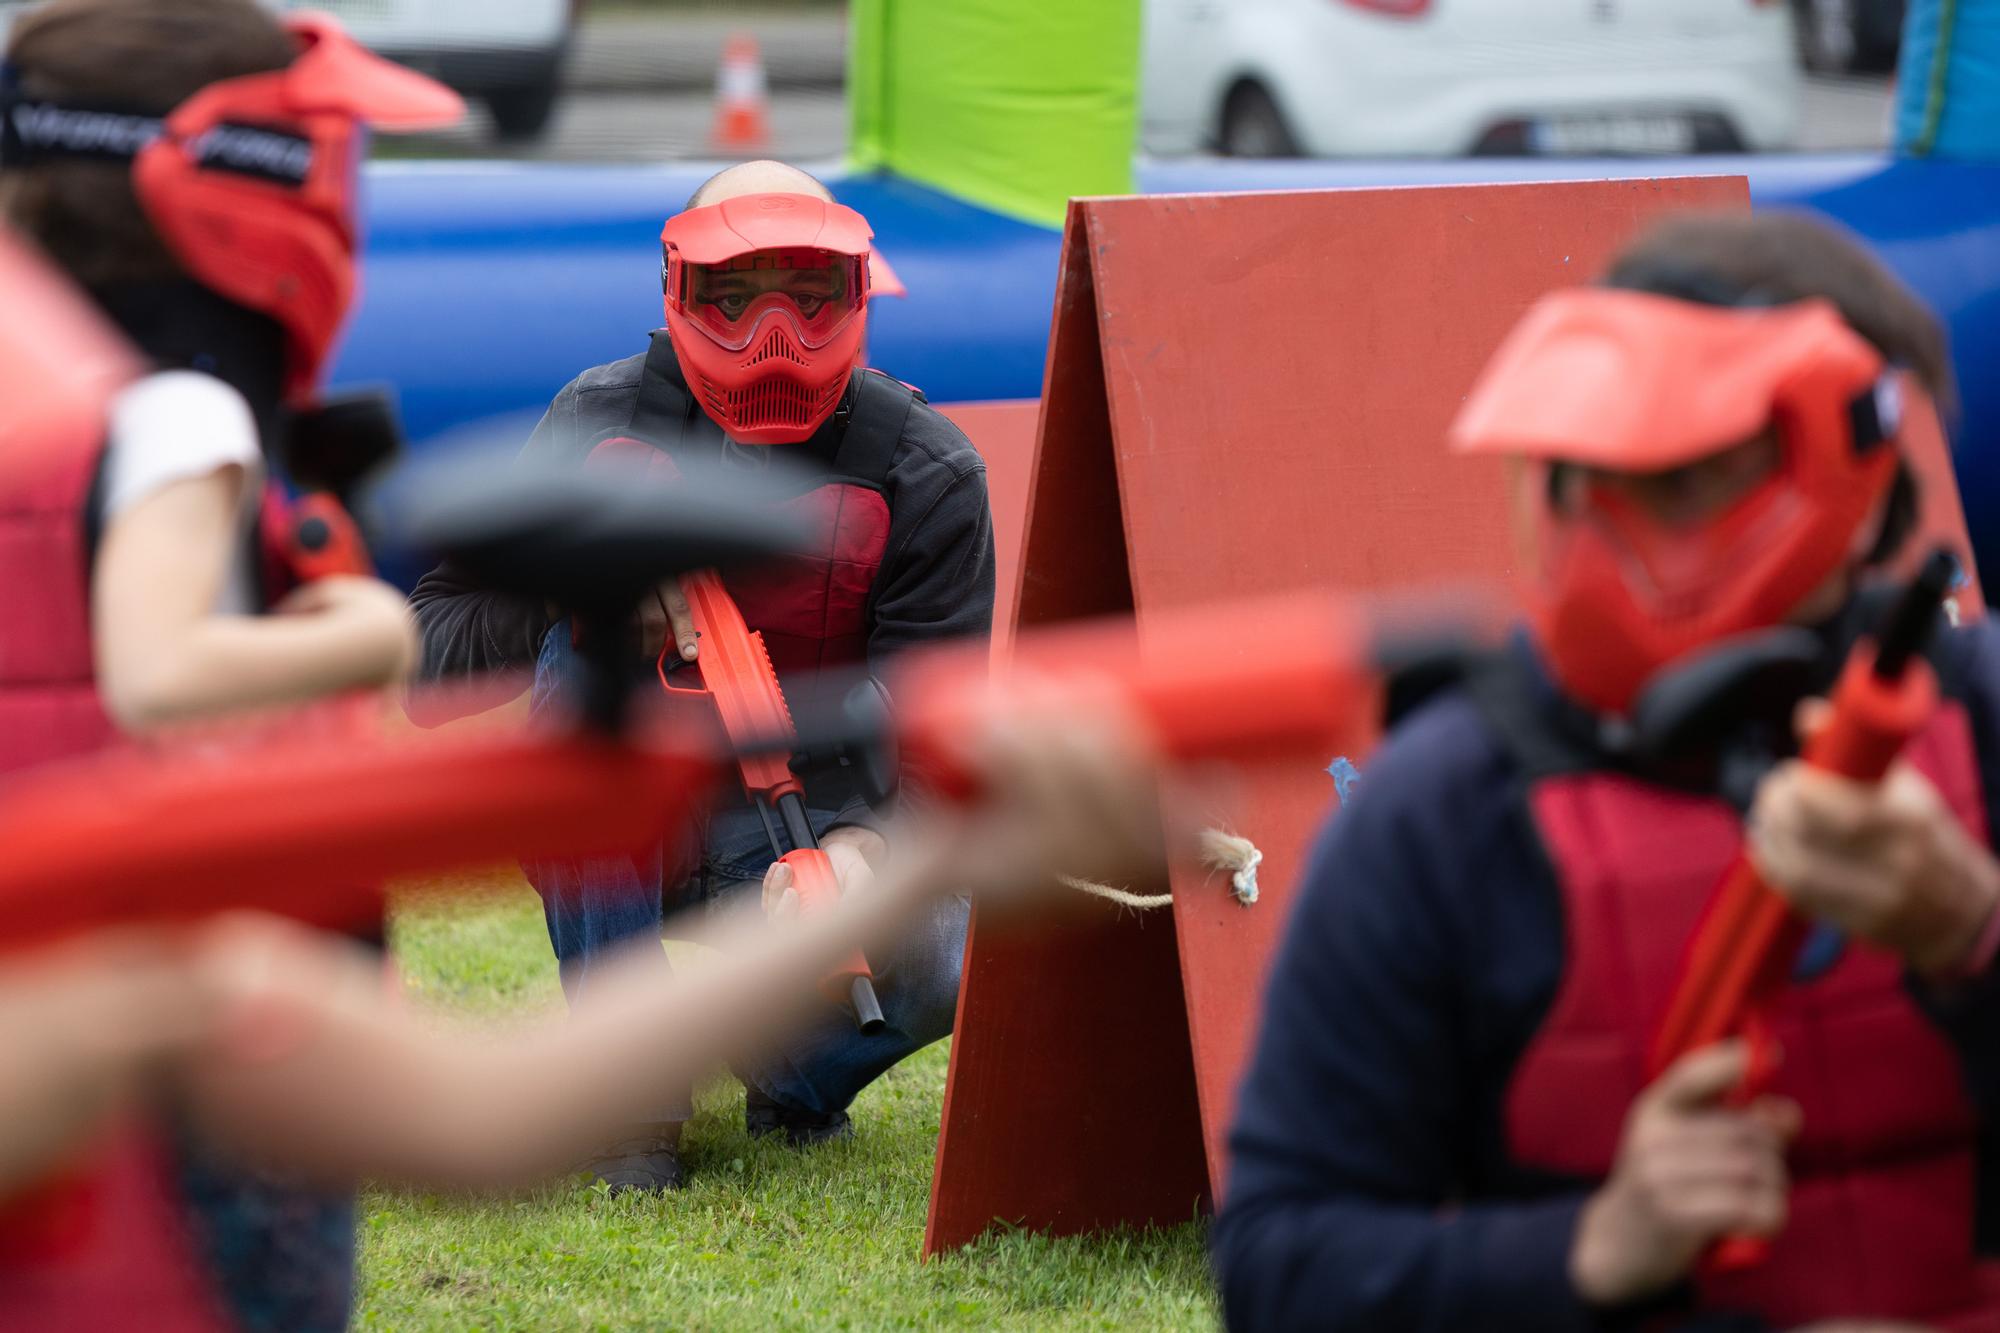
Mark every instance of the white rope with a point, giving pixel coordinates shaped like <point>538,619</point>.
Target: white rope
<point>1235,855</point>
<point>1141,902</point>
<point>1221,851</point>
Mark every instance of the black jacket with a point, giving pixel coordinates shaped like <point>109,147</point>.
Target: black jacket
<point>937,574</point>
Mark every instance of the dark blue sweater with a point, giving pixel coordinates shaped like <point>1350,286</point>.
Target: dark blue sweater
<point>1370,1186</point>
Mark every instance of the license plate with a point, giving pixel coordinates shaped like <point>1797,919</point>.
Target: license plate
<point>1596,135</point>
<point>347,9</point>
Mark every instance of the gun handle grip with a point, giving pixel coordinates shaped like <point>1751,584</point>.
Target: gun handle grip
<point>851,982</point>
<point>323,540</point>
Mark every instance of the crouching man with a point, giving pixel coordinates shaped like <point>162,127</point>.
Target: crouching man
<point>766,286</point>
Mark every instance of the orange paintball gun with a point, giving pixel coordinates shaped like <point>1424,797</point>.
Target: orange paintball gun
<point>736,673</point>
<point>292,821</point>
<point>292,825</point>
<point>1743,950</point>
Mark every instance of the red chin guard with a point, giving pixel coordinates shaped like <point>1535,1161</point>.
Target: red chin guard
<point>776,389</point>
<point>1630,382</point>
<point>253,182</point>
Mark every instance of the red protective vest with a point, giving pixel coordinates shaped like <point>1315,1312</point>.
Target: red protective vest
<point>48,691</point>
<point>812,610</point>
<point>1882,1201</point>
<point>101,1246</point>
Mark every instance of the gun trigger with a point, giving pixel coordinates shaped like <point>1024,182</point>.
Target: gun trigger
<point>670,662</point>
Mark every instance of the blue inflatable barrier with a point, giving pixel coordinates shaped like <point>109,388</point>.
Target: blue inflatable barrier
<point>490,285</point>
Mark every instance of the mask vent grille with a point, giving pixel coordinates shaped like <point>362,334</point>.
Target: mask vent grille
<point>778,401</point>
<point>776,347</point>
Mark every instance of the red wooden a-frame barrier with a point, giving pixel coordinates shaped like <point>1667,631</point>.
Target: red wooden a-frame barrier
<point>1245,393</point>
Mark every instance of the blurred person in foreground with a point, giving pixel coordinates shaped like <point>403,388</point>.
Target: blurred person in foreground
<point>193,167</point>
<point>278,1047</point>
<point>184,1111</point>
<point>758,369</point>
<point>1446,1123</point>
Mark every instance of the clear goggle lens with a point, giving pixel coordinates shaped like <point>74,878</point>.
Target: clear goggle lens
<point>814,291</point>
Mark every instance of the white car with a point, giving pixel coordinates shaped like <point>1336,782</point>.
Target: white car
<point>1423,78</point>
<point>507,53</point>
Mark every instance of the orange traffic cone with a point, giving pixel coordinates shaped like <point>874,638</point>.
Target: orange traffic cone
<point>742,103</point>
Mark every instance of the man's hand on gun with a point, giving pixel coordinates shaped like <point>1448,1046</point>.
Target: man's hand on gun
<point>854,852</point>
<point>1690,1171</point>
<point>663,617</point>
<point>1886,862</point>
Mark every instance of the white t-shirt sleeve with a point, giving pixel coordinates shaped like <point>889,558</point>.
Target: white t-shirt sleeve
<point>175,426</point>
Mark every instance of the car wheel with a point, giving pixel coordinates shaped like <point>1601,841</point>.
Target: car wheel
<point>1252,126</point>
<point>524,112</point>
<point>1827,34</point>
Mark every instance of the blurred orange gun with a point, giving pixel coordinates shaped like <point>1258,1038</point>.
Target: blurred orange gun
<point>1744,949</point>
<point>293,825</point>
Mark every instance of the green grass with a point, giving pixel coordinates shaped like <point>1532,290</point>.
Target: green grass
<point>764,1238</point>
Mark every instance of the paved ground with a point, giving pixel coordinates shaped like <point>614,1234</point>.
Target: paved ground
<point>1845,113</point>
<point>629,126</point>
<point>642,89</point>
<point>645,52</point>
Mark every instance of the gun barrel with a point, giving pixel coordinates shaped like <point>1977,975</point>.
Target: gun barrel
<point>1915,614</point>
<point>798,827</point>
<point>1278,676</point>
<point>867,1009</point>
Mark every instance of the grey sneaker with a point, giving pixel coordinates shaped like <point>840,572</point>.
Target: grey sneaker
<point>648,1160</point>
<point>764,1116</point>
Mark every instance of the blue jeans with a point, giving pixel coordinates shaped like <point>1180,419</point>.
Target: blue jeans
<point>594,904</point>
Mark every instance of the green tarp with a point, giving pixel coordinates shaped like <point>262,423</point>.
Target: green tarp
<point>1012,106</point>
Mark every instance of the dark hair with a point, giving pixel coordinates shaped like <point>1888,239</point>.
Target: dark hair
<point>1772,258</point>
<point>146,56</point>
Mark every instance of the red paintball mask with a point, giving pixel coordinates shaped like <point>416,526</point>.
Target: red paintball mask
<point>253,182</point>
<point>1616,383</point>
<point>767,304</point>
